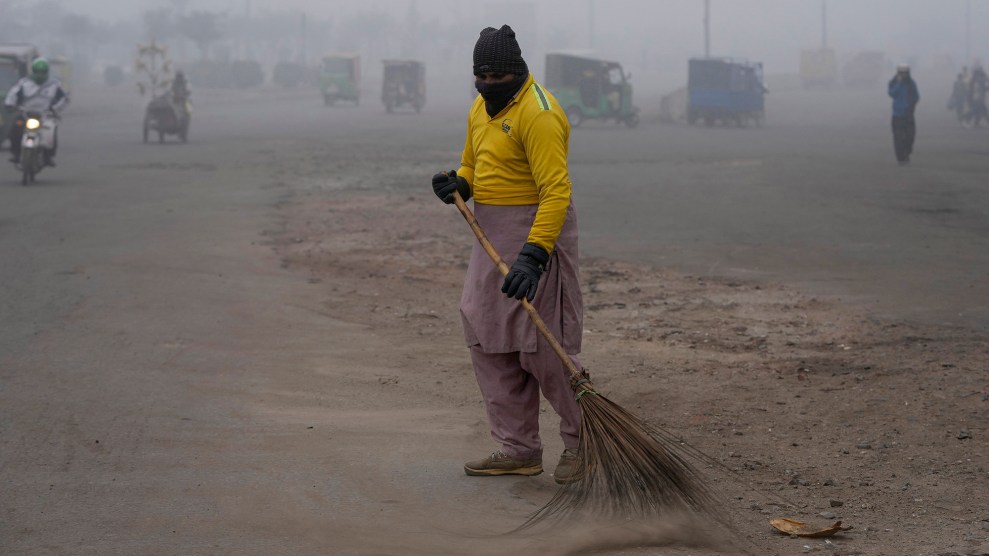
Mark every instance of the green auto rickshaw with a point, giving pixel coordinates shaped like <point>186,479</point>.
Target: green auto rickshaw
<point>9,74</point>
<point>587,88</point>
<point>22,54</point>
<point>340,78</point>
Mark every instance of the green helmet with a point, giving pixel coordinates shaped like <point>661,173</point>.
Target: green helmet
<point>39,70</point>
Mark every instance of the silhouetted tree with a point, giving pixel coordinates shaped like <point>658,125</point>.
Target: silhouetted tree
<point>153,68</point>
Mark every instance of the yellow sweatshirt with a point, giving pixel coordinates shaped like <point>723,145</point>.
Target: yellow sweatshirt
<point>519,157</point>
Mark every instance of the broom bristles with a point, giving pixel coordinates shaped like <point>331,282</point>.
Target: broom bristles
<point>630,470</point>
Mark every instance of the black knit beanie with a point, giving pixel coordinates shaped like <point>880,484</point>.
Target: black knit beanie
<point>497,51</point>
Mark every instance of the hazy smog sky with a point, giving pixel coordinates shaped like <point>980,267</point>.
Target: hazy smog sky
<point>653,32</point>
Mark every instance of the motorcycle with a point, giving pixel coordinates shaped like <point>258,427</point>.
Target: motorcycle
<point>167,116</point>
<point>37,142</point>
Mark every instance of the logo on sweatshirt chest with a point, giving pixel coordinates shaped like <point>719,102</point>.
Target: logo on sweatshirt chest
<point>506,126</point>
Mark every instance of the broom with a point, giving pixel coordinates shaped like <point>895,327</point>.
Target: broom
<point>626,468</point>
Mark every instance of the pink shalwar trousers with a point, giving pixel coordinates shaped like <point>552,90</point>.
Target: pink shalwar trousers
<point>510,384</point>
<point>512,361</point>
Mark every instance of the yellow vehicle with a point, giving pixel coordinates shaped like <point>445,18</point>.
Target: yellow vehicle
<point>61,68</point>
<point>818,68</point>
<point>864,69</point>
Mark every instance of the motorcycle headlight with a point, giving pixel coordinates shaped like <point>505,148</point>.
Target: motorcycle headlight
<point>32,123</point>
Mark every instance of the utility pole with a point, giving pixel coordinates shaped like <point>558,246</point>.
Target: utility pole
<point>248,55</point>
<point>303,38</point>
<point>180,6</point>
<point>590,24</point>
<point>707,28</point>
<point>968,32</point>
<point>824,24</point>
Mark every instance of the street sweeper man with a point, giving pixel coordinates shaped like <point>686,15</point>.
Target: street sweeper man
<point>514,165</point>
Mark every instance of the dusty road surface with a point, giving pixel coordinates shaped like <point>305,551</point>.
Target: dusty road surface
<point>249,344</point>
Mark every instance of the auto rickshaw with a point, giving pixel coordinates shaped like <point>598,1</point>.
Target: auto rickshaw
<point>818,68</point>
<point>404,84</point>
<point>340,78</point>
<point>864,69</point>
<point>725,90</point>
<point>587,88</point>
<point>22,53</point>
<point>167,115</point>
<point>10,73</point>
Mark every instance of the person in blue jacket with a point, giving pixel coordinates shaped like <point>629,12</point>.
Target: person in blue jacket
<point>903,90</point>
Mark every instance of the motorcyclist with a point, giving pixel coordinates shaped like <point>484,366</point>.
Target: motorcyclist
<point>180,87</point>
<point>180,93</point>
<point>37,93</point>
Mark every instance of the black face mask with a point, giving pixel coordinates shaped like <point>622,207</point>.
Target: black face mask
<point>498,95</point>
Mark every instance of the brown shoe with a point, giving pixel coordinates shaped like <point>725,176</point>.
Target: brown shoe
<point>500,463</point>
<point>566,469</point>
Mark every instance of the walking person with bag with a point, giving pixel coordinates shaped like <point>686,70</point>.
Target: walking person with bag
<point>978,87</point>
<point>903,90</point>
<point>958,101</point>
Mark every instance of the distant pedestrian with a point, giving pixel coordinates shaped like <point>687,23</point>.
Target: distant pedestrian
<point>977,88</point>
<point>903,90</point>
<point>958,102</point>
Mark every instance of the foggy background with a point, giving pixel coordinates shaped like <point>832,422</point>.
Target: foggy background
<point>249,342</point>
<point>652,39</point>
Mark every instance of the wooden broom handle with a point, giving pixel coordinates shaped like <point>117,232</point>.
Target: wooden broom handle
<point>503,268</point>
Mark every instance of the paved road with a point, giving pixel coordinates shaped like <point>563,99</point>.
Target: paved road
<point>142,307</point>
<point>815,199</point>
<point>166,386</point>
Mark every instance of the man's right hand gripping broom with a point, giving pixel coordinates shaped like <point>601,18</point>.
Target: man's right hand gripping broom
<point>445,183</point>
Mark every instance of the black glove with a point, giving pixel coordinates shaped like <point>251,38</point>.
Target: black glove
<point>523,278</point>
<point>445,183</point>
